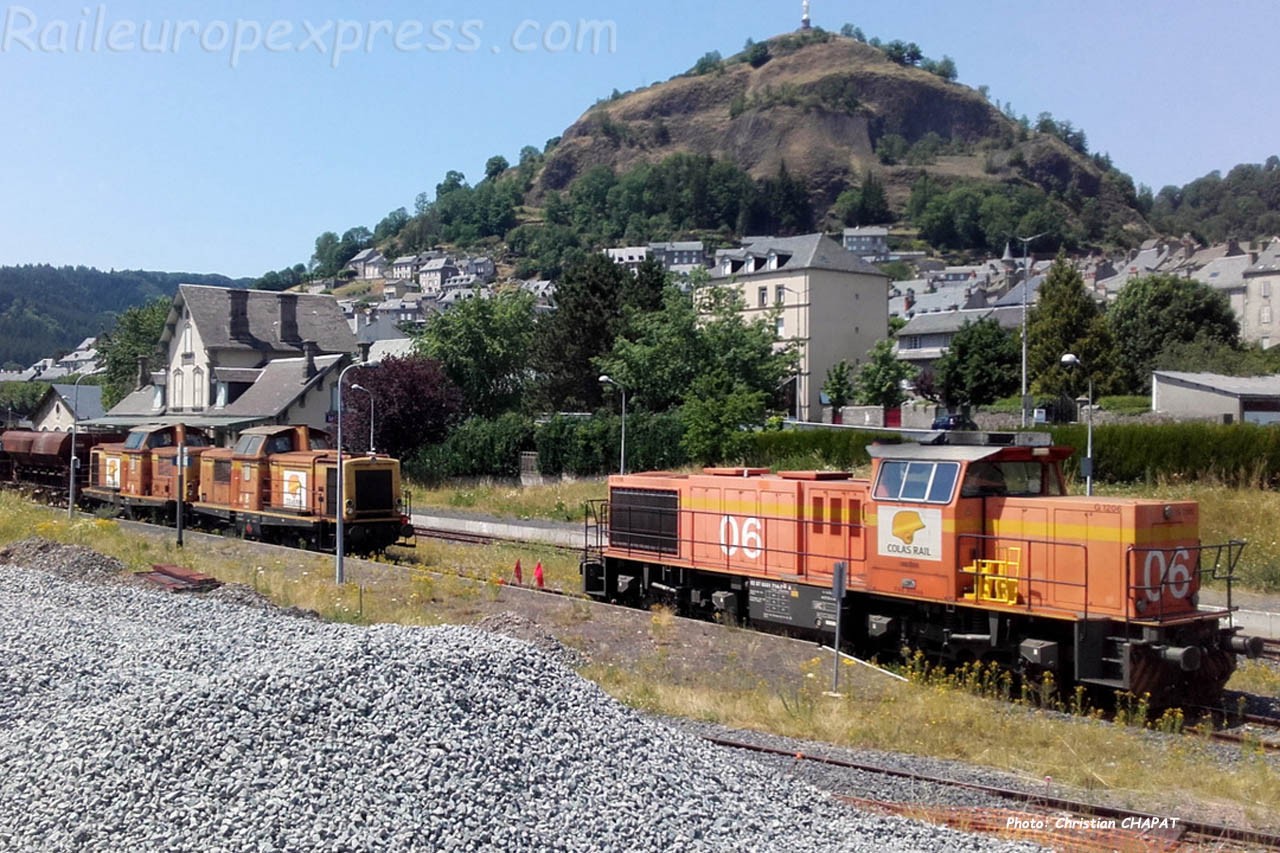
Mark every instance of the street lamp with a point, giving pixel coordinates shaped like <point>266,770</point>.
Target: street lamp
<point>622,453</point>
<point>75,460</point>
<point>358,387</point>
<point>341,509</point>
<point>1070,360</point>
<point>1026,285</point>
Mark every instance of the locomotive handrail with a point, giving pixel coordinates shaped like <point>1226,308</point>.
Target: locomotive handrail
<point>1170,579</point>
<point>1025,554</point>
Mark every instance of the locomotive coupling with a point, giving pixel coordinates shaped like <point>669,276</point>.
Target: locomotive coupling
<point>1250,647</point>
<point>1186,657</point>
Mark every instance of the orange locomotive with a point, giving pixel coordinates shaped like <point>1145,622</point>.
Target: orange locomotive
<point>970,550</point>
<point>279,483</point>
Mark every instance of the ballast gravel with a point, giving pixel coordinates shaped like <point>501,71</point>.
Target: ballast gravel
<point>131,719</point>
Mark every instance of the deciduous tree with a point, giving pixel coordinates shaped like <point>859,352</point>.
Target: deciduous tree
<point>484,347</point>
<point>137,333</point>
<point>880,379</point>
<point>981,365</point>
<point>1156,311</point>
<point>414,403</point>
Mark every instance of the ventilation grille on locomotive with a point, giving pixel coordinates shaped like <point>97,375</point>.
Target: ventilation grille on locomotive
<point>645,519</point>
<point>374,493</point>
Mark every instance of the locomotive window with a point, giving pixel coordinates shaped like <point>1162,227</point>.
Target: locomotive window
<point>280,444</point>
<point>318,441</point>
<point>134,441</point>
<point>926,482</point>
<point>944,482</point>
<point>1020,479</point>
<point>160,439</point>
<point>249,445</point>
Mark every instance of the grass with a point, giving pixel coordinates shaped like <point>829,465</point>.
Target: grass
<point>945,716</point>
<point>556,502</point>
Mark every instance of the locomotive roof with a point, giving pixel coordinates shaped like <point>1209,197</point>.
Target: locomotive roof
<point>933,452</point>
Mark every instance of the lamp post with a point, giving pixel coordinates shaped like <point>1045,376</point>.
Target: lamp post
<point>75,460</point>
<point>1070,360</point>
<point>622,453</point>
<point>356,386</point>
<point>341,509</point>
<point>1026,286</point>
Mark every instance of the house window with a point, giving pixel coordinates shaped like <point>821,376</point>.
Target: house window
<point>1266,287</point>
<point>780,294</point>
<point>186,338</point>
<point>780,327</point>
<point>197,389</point>
<point>220,400</point>
<point>763,297</point>
<point>1265,315</point>
<point>176,398</point>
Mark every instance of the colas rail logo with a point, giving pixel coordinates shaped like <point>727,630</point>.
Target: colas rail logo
<point>906,524</point>
<point>915,533</point>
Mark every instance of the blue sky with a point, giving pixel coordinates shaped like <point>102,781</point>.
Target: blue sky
<point>137,135</point>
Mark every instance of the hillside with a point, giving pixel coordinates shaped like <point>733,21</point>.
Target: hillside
<point>826,106</point>
<point>46,310</point>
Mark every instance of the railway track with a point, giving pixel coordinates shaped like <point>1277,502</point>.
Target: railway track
<point>1043,818</point>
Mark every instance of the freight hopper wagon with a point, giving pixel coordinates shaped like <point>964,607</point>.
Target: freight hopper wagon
<point>969,550</point>
<point>280,484</point>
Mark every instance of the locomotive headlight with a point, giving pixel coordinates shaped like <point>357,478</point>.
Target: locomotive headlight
<point>1168,512</point>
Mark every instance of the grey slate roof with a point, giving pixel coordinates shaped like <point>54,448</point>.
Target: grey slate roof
<point>1268,262</point>
<point>1223,273</point>
<point>1014,296</point>
<point>87,400</point>
<point>261,320</point>
<point>283,381</point>
<point>952,321</point>
<point>1237,386</point>
<point>808,251</point>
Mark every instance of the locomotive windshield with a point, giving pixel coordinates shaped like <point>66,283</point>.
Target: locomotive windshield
<point>926,482</point>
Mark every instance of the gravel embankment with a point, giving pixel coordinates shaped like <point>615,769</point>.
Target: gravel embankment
<point>131,719</point>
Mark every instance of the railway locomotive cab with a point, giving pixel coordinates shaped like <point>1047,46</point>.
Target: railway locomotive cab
<point>142,474</point>
<point>969,550</point>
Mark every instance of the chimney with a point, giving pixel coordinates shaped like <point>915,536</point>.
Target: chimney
<point>288,317</point>
<point>364,351</point>
<point>311,350</point>
<point>239,319</point>
<point>144,373</point>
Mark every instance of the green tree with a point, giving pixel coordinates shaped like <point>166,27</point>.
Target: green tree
<point>838,387</point>
<point>665,352</point>
<point>391,225</point>
<point>590,312</point>
<point>880,379</point>
<point>136,334</point>
<point>484,346</point>
<point>19,399</point>
<point>1155,311</point>
<point>719,414</point>
<point>1066,319</point>
<point>982,364</point>
<point>495,166</point>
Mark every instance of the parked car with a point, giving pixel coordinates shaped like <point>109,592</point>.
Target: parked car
<point>954,422</point>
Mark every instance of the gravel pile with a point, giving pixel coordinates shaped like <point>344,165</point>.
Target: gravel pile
<point>131,719</point>
<point>66,561</point>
